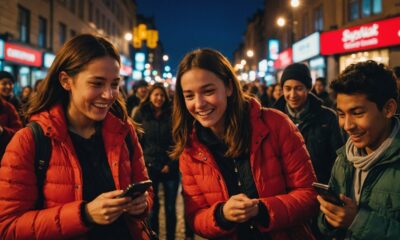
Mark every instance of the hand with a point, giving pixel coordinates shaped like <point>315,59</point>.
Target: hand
<point>338,216</point>
<point>106,208</point>
<point>138,205</point>
<point>165,169</point>
<point>239,208</point>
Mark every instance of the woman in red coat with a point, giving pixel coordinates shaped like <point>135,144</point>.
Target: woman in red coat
<point>79,108</point>
<point>246,173</point>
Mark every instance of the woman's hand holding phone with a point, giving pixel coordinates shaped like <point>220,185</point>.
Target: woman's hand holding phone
<point>239,208</point>
<point>107,207</point>
<point>138,204</point>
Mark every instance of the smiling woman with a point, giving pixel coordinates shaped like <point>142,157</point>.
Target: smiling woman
<point>245,170</point>
<point>79,109</point>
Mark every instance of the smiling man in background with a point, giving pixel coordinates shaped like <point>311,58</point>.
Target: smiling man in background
<point>368,166</point>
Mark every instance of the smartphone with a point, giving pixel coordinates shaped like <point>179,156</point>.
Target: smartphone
<point>327,194</point>
<point>135,189</point>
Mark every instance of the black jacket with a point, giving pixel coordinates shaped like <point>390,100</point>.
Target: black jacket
<point>321,133</point>
<point>156,140</point>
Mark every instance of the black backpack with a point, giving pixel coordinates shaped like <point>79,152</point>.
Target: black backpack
<point>42,157</point>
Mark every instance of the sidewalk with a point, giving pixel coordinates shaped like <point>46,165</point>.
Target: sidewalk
<point>180,225</point>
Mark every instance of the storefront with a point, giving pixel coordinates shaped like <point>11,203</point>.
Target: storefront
<point>22,62</point>
<point>1,54</point>
<point>307,51</point>
<point>378,41</point>
<point>284,59</point>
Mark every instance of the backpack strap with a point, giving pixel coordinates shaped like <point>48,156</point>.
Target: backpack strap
<point>42,159</point>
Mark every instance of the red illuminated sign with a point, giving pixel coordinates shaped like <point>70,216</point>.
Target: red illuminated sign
<point>23,55</point>
<point>368,36</point>
<point>284,58</point>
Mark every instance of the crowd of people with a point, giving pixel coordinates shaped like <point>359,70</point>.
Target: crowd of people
<point>245,154</point>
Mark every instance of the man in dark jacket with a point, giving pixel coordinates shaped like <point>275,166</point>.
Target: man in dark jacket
<point>367,170</point>
<point>317,123</point>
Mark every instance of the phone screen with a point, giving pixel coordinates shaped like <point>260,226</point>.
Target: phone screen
<point>327,194</point>
<point>135,189</point>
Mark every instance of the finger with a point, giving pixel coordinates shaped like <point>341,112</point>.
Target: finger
<point>331,221</point>
<point>112,194</point>
<point>328,205</point>
<point>331,215</point>
<point>240,197</point>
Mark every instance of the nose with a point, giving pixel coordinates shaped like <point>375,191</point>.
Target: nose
<point>107,93</point>
<point>348,124</point>
<point>199,102</point>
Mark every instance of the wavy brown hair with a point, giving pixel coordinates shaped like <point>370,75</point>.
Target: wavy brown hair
<point>73,58</point>
<point>237,130</point>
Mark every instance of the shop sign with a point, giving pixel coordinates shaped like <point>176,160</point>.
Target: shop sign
<point>284,59</point>
<point>1,49</point>
<point>48,59</point>
<point>368,36</point>
<point>23,55</point>
<point>273,49</point>
<point>318,62</point>
<point>126,66</point>
<point>306,48</point>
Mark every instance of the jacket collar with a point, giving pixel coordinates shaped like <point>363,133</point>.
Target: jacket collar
<point>54,124</point>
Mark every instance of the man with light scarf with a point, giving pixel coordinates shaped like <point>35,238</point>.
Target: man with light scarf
<point>368,166</point>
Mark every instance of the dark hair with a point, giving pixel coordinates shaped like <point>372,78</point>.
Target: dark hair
<point>321,80</point>
<point>374,80</point>
<point>237,131</point>
<point>72,58</point>
<point>160,86</point>
<point>396,71</point>
<point>4,74</point>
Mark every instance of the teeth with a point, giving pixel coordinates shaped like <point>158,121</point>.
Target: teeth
<point>204,113</point>
<point>99,105</point>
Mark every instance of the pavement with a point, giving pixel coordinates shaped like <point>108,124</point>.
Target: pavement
<point>180,224</point>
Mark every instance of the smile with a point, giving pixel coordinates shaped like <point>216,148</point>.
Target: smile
<point>101,105</point>
<point>205,113</point>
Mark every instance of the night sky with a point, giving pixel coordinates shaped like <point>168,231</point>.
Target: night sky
<point>185,25</point>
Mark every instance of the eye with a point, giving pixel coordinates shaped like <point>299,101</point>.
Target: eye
<point>96,84</point>
<point>115,84</point>
<point>188,96</point>
<point>209,91</point>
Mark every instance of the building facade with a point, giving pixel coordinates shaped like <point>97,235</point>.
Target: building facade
<point>32,31</point>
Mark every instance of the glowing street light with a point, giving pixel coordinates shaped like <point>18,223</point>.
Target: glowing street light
<point>250,53</point>
<point>281,21</point>
<point>165,57</point>
<point>128,36</point>
<point>294,3</point>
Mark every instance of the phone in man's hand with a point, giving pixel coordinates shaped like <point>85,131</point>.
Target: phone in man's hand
<point>327,194</point>
<point>136,189</point>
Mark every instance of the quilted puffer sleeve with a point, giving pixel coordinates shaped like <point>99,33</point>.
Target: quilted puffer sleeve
<point>18,193</point>
<point>299,204</point>
<point>200,214</point>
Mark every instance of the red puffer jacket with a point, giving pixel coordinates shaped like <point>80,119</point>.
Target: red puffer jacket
<point>282,173</point>
<point>61,218</point>
<point>10,122</point>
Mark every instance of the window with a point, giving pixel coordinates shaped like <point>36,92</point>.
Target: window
<point>42,36</point>
<point>90,11</point>
<point>318,19</point>
<point>24,24</point>
<point>353,10</point>
<point>72,5</point>
<point>305,24</point>
<point>81,8</point>
<point>363,8</point>
<point>62,34</point>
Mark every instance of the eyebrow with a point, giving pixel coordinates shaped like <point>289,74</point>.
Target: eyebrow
<point>103,78</point>
<point>351,109</point>
<point>202,87</point>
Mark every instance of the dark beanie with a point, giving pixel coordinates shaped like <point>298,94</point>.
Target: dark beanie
<point>4,74</point>
<point>299,72</point>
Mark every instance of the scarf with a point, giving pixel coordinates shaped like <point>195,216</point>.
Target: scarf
<point>364,162</point>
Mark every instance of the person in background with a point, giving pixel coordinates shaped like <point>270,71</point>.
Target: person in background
<point>276,93</point>
<point>25,95</point>
<point>367,168</point>
<point>79,109</point>
<point>7,81</point>
<point>317,123</point>
<point>319,90</point>
<point>9,124</point>
<point>140,92</point>
<point>154,117</point>
<point>246,173</point>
